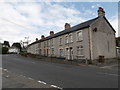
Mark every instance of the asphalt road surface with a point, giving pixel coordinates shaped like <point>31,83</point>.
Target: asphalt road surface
<point>61,75</point>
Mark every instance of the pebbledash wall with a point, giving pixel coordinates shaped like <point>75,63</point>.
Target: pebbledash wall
<point>88,40</point>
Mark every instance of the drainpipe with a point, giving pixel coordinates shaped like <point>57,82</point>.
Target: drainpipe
<point>89,44</point>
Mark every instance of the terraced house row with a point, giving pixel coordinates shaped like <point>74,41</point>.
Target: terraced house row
<point>87,40</point>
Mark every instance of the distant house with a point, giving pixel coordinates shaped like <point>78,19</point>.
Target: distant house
<point>90,40</point>
<point>14,50</point>
<point>118,52</point>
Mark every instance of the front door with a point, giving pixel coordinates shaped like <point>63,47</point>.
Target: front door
<point>47,52</point>
<point>71,53</point>
<point>67,54</point>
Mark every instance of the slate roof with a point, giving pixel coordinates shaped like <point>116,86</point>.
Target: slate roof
<point>72,29</point>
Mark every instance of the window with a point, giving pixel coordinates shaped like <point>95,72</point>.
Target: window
<point>44,52</point>
<point>60,41</point>
<point>80,51</point>
<point>47,43</point>
<point>79,36</point>
<point>44,44</point>
<point>61,53</point>
<point>108,47</point>
<point>40,52</point>
<point>71,38</point>
<point>52,51</point>
<point>52,42</point>
<point>66,39</point>
<point>39,44</point>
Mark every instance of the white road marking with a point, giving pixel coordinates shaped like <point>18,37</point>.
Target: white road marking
<point>109,74</point>
<point>7,76</point>
<point>109,66</point>
<point>42,82</point>
<point>30,78</point>
<point>1,68</point>
<point>33,62</point>
<point>5,69</point>
<point>56,86</point>
<point>24,76</point>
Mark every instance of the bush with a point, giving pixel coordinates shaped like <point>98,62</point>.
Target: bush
<point>23,54</point>
<point>4,50</point>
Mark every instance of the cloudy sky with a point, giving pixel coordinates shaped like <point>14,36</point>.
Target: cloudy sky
<point>33,19</point>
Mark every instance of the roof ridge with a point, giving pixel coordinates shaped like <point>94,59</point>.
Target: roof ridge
<point>72,29</point>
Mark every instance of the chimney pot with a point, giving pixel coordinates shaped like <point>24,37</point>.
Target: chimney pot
<point>101,12</point>
<point>67,26</point>
<point>51,33</point>
<point>36,39</point>
<point>42,37</point>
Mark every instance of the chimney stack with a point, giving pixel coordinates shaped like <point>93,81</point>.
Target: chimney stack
<point>101,12</point>
<point>36,39</point>
<point>51,33</point>
<point>67,26</point>
<point>42,37</point>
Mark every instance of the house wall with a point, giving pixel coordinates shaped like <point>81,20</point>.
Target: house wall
<point>35,48</point>
<point>103,40</point>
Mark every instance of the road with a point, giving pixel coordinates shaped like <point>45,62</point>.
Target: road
<point>61,75</point>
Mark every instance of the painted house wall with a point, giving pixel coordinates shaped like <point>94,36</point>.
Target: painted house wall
<point>103,40</point>
<point>94,43</point>
<point>35,48</point>
<point>13,50</point>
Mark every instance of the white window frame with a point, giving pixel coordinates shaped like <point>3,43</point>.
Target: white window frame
<point>52,42</point>
<point>80,51</point>
<point>60,40</point>
<point>52,50</point>
<point>66,39</point>
<point>60,52</point>
<point>71,38</point>
<point>79,38</point>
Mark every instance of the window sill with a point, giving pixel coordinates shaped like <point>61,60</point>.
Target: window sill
<point>79,40</point>
<point>80,55</point>
<point>70,42</point>
<point>66,43</point>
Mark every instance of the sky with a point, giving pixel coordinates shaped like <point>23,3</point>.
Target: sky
<point>32,19</point>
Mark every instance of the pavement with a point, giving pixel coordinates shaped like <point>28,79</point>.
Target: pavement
<point>60,75</point>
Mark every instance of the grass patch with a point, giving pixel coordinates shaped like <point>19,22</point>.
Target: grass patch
<point>23,54</point>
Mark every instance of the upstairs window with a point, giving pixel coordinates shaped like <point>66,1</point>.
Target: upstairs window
<point>60,41</point>
<point>47,43</point>
<point>66,39</point>
<point>44,44</point>
<point>39,44</point>
<point>71,38</point>
<point>79,36</point>
<point>52,42</point>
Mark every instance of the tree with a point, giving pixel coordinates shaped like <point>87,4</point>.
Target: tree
<point>17,45</point>
<point>118,41</point>
<point>4,50</point>
<point>6,43</point>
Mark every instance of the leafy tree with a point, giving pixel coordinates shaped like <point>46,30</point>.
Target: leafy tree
<point>4,50</point>
<point>6,43</point>
<point>118,41</point>
<point>17,45</point>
